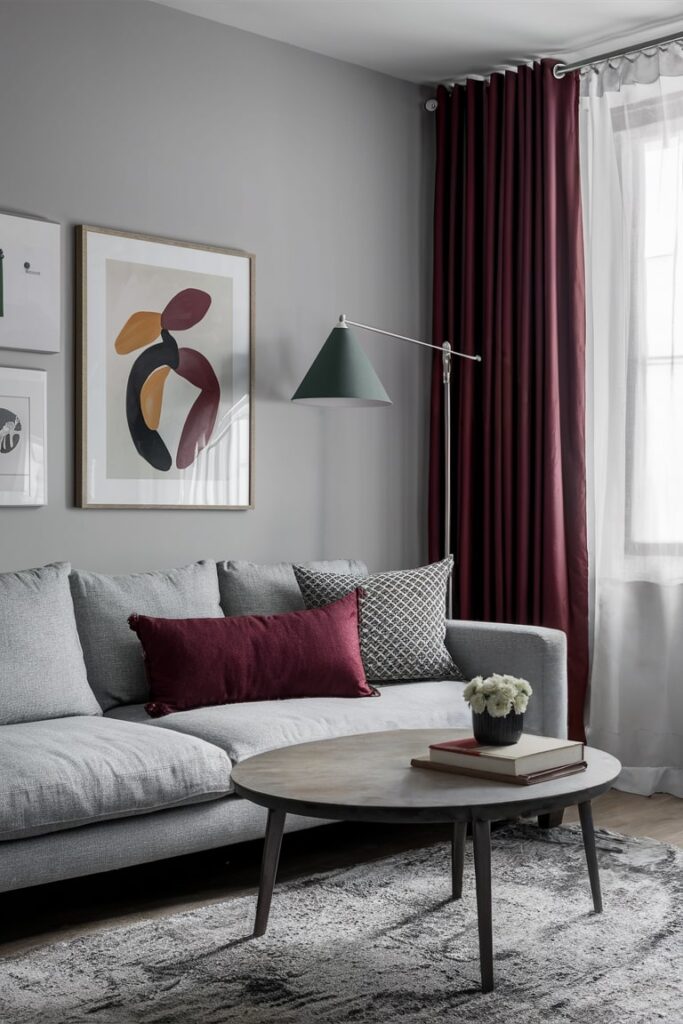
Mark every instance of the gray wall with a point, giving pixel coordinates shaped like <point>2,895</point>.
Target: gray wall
<point>143,118</point>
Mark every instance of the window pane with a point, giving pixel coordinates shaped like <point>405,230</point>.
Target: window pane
<point>657,480</point>
<point>656,442</point>
<point>659,322</point>
<point>663,265</point>
<point>662,179</point>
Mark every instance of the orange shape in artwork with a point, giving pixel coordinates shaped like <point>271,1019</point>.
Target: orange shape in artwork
<point>139,330</point>
<point>152,395</point>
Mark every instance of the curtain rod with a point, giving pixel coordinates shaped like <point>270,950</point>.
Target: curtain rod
<point>560,70</point>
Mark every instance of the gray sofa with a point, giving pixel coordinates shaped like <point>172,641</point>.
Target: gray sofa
<point>88,782</point>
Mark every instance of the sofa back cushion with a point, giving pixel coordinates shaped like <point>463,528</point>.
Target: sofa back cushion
<point>250,589</point>
<point>42,673</point>
<point>103,605</point>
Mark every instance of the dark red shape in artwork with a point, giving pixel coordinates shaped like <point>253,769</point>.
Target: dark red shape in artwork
<point>195,368</point>
<point>185,309</point>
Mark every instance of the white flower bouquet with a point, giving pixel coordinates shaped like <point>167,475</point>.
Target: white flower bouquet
<point>499,695</point>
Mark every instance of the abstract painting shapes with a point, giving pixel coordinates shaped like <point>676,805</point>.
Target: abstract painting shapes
<point>201,418</point>
<point>148,442</point>
<point>22,437</point>
<point>139,330</point>
<point>152,396</point>
<point>144,394</point>
<point>179,380</point>
<point>185,309</point>
<point>30,284</point>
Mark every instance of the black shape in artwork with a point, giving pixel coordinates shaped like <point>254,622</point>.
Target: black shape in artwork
<point>148,442</point>
<point>10,431</point>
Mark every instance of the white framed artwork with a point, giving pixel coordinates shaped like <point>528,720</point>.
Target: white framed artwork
<point>23,441</point>
<point>30,284</point>
<point>165,347</point>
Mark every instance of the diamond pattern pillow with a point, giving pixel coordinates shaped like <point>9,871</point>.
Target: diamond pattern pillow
<point>402,619</point>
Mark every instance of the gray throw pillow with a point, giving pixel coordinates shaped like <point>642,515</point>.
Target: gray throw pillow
<point>402,618</point>
<point>113,655</point>
<point>42,673</point>
<point>250,589</point>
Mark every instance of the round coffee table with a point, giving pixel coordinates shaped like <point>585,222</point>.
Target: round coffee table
<point>368,777</point>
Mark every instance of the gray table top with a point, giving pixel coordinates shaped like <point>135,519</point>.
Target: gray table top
<point>368,777</point>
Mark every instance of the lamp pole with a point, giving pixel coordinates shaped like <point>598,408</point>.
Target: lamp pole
<point>446,379</point>
<point>447,354</point>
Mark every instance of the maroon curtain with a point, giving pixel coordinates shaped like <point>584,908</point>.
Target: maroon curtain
<point>508,283</point>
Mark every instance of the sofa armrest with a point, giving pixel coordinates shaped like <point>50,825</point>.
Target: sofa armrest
<point>529,652</point>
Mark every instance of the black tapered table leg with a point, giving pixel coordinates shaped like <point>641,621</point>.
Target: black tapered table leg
<point>458,856</point>
<point>481,836</point>
<point>269,863</point>
<point>586,816</point>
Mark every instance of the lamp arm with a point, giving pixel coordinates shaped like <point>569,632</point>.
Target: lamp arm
<point>343,322</point>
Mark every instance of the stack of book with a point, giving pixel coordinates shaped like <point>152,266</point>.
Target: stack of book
<point>533,759</point>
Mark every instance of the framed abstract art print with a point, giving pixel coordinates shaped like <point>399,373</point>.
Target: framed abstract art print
<point>23,444</point>
<point>165,373</point>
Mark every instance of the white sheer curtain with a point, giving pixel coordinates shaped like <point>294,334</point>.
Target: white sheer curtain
<point>632,184</point>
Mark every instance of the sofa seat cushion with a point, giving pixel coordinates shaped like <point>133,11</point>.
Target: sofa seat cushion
<point>74,771</point>
<point>246,729</point>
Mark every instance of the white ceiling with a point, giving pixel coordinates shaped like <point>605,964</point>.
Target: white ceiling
<point>436,40</point>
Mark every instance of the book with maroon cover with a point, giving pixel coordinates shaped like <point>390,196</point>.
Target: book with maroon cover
<point>516,780</point>
<point>530,755</point>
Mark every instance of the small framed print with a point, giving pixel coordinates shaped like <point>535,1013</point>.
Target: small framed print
<point>23,445</point>
<point>30,284</point>
<point>165,373</point>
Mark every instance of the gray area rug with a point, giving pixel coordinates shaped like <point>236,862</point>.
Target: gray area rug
<point>381,943</point>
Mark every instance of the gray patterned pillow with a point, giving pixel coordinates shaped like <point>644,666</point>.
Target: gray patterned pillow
<point>402,618</point>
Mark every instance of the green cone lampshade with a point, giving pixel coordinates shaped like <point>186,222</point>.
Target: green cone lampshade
<point>341,374</point>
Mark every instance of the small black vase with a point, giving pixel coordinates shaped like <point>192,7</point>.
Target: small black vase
<point>497,732</point>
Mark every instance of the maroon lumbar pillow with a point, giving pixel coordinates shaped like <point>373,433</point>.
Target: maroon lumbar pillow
<point>195,663</point>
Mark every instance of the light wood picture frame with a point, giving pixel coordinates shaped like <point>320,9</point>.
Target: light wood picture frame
<point>164,374</point>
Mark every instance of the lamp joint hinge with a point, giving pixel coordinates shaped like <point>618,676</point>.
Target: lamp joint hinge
<point>446,362</point>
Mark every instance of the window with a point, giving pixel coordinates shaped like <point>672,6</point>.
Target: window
<point>655,388</point>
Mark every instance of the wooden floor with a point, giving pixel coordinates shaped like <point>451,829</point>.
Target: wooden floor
<point>35,917</point>
<point>659,816</point>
